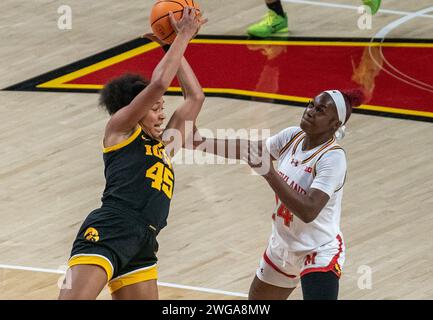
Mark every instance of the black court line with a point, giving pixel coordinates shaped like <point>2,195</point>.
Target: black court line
<point>31,84</point>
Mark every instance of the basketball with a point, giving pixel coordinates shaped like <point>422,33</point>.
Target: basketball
<point>160,20</point>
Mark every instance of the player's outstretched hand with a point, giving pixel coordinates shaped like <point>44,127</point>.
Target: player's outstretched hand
<point>258,158</point>
<point>154,38</point>
<point>190,23</point>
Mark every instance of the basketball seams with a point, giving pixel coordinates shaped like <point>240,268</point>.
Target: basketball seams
<point>161,25</point>
<point>164,16</point>
<point>168,36</point>
<point>174,1</point>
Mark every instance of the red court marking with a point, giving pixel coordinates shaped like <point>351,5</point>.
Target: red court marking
<point>293,70</point>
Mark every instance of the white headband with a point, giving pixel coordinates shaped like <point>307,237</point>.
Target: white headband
<point>338,98</point>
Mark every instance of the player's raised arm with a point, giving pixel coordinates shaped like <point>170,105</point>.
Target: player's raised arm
<point>127,118</point>
<point>194,98</point>
<point>190,108</point>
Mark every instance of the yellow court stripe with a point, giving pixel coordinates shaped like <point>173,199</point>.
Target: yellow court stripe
<point>91,86</point>
<point>313,43</point>
<point>53,85</point>
<point>98,66</point>
<point>256,94</point>
<point>248,93</point>
<point>305,99</point>
<point>397,110</point>
<point>264,95</point>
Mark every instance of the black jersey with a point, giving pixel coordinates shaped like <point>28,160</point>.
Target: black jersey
<point>139,179</point>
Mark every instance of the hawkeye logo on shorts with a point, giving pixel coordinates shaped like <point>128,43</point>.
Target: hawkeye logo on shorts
<point>91,234</point>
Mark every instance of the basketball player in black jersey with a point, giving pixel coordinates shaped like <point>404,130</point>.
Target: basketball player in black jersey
<point>117,243</point>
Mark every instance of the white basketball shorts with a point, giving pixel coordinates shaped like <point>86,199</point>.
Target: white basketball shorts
<point>283,268</point>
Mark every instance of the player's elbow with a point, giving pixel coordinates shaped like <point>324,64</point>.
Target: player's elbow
<point>311,208</point>
<point>304,216</point>
<point>160,85</point>
<point>198,98</point>
<point>160,80</point>
<point>308,218</point>
<point>309,215</point>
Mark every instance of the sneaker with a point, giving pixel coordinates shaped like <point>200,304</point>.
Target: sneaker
<point>271,23</point>
<point>373,4</point>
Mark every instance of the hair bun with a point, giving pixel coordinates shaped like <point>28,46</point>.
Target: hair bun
<point>356,97</point>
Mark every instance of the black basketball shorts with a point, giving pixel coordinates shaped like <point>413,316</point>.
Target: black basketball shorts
<point>120,244</point>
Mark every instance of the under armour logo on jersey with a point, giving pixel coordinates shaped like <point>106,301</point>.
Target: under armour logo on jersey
<point>294,162</point>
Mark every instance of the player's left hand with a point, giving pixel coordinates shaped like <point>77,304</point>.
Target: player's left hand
<point>259,158</point>
<point>153,38</point>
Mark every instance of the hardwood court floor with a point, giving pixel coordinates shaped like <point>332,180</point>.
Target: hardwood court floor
<point>30,285</point>
<point>51,170</point>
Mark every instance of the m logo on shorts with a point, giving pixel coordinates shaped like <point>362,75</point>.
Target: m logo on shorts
<point>91,234</point>
<point>310,259</point>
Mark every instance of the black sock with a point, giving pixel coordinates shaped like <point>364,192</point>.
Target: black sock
<point>277,7</point>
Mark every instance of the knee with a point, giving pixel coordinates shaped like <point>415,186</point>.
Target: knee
<point>70,294</point>
<point>254,292</point>
<point>260,290</point>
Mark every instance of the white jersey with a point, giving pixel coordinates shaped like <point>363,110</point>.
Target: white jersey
<point>323,168</point>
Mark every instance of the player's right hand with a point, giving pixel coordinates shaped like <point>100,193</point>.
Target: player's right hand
<point>190,22</point>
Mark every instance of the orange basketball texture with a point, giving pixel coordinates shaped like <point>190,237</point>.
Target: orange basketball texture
<point>160,21</point>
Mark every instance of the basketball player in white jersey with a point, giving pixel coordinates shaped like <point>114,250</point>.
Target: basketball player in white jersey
<point>306,244</point>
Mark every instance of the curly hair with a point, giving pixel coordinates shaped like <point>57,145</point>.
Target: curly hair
<point>119,92</point>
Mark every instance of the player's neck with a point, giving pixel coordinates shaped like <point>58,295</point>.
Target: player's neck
<point>312,141</point>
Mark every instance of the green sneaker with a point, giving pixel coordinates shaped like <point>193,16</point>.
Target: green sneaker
<point>373,4</point>
<point>271,23</point>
